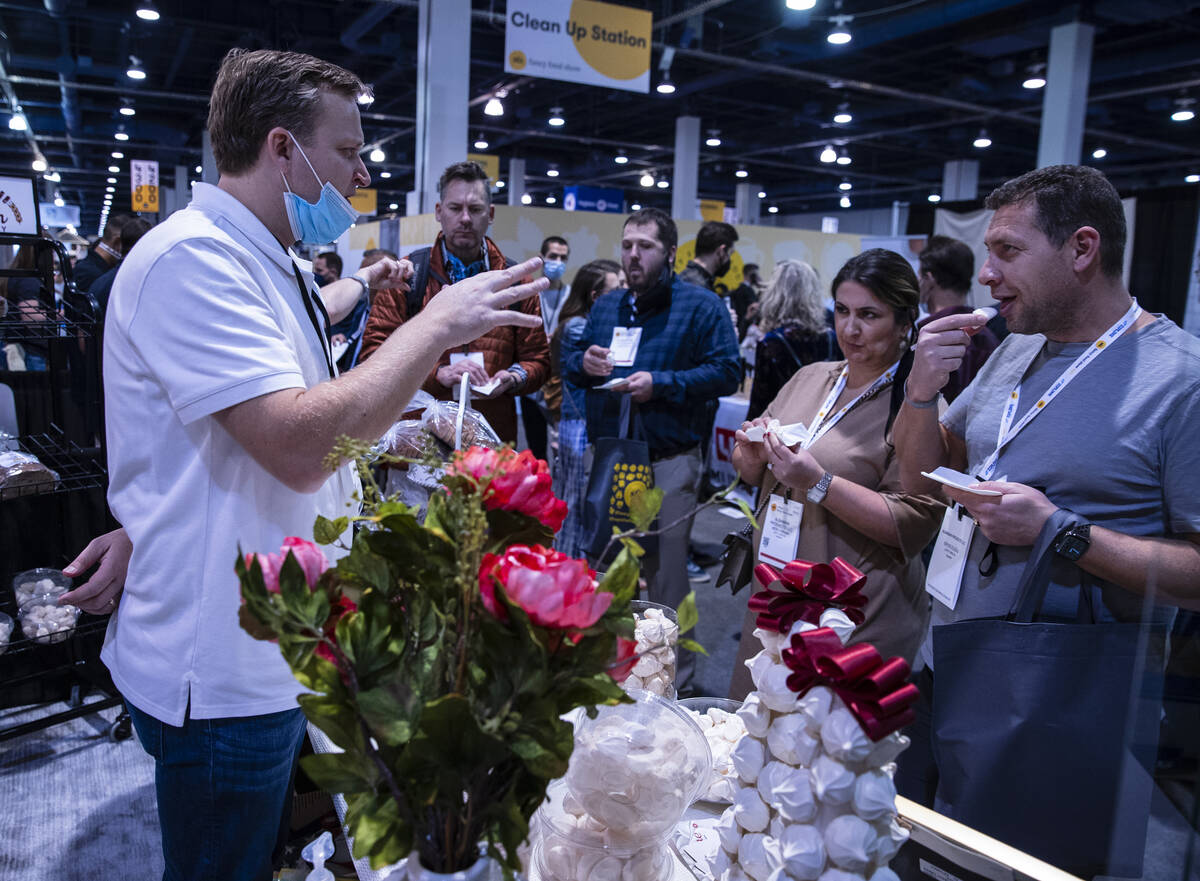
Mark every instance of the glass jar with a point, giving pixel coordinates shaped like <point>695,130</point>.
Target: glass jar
<point>657,634</point>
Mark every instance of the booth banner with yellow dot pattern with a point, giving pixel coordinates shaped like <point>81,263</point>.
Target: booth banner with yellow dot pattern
<point>579,41</point>
<point>143,185</point>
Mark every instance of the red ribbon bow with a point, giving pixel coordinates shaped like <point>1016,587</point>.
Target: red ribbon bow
<point>873,689</point>
<point>809,589</point>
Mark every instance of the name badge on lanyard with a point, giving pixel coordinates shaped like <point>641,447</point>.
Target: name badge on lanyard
<point>780,531</point>
<point>949,560</point>
<point>624,345</point>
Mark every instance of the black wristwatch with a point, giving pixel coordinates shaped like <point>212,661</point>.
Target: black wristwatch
<point>1073,542</point>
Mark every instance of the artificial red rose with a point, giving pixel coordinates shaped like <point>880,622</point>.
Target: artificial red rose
<point>308,555</point>
<point>626,658</point>
<point>512,481</point>
<point>555,590</point>
<point>341,607</point>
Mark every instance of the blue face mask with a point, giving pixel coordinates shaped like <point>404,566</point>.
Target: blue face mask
<point>554,269</point>
<point>320,223</point>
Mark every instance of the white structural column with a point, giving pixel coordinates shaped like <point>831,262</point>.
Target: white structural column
<point>1064,103</point>
<point>516,181</point>
<point>746,203</point>
<point>960,180</point>
<point>685,180</point>
<point>443,69</point>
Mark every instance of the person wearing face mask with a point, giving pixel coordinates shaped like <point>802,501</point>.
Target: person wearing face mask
<point>539,429</point>
<point>674,349</point>
<point>222,402</point>
<point>507,361</point>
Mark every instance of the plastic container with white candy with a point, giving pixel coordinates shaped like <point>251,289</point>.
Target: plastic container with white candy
<point>656,630</point>
<point>43,620</point>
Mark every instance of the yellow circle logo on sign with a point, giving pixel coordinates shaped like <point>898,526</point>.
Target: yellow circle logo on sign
<point>517,60</point>
<point>730,280</point>
<point>613,40</point>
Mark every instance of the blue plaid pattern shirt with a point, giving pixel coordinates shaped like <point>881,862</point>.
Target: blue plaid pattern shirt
<point>690,350</point>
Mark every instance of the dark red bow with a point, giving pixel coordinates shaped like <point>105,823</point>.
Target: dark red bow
<point>808,590</point>
<point>873,689</point>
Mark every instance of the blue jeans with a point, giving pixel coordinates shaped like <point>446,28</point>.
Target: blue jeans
<point>224,790</point>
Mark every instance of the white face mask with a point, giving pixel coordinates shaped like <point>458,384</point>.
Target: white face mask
<point>323,221</point>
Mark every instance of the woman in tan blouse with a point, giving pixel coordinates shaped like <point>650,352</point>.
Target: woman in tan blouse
<point>844,471</point>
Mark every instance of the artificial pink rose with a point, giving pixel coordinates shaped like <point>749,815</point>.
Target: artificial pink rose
<point>555,590</point>
<point>270,564</point>
<point>512,481</point>
<point>626,658</point>
<point>341,607</point>
<point>308,555</point>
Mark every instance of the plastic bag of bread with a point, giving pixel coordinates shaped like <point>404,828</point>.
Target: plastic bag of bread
<point>408,438</point>
<point>441,418</point>
<point>21,471</point>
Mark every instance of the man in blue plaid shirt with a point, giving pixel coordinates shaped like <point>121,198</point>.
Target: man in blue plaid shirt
<point>686,356</point>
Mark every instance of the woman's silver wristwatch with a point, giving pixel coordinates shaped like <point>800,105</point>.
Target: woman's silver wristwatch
<point>817,493</point>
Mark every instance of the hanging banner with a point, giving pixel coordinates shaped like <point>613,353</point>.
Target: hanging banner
<point>365,201</point>
<point>599,44</point>
<point>606,199</point>
<point>490,163</point>
<point>18,206</point>
<point>143,185</point>
<point>712,209</point>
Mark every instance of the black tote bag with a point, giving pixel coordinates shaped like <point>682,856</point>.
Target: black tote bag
<point>620,467</point>
<point>1045,734</point>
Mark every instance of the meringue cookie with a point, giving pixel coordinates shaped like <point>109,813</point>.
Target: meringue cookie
<point>815,706</point>
<point>571,805</point>
<point>773,643</point>
<point>723,790</point>
<point>849,841</point>
<point>789,742</point>
<point>748,757</point>
<point>831,782</point>
<point>883,873</point>
<point>839,875</point>
<point>728,831</point>
<point>839,622</point>
<point>887,749</point>
<point>752,856</point>
<point>754,715</point>
<point>888,840</point>
<point>718,863</point>
<point>733,873</point>
<point>843,737</point>
<point>874,795</point>
<point>770,678</point>
<point>560,861</point>
<point>750,811</point>
<point>801,851</point>
<point>788,791</point>
<point>606,869</point>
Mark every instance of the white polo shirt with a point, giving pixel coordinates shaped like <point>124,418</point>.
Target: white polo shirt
<point>204,314</point>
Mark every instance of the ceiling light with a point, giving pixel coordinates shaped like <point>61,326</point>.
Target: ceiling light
<point>481,143</point>
<point>550,200</point>
<point>1099,153</point>
<point>620,159</point>
<point>843,115</point>
<point>39,164</point>
<point>934,197</point>
<point>647,179</point>
<point>18,123</point>
<point>1034,82</point>
<point>1192,179</point>
<point>499,184</point>
<point>526,199</point>
<point>365,98</point>
<point>114,169</point>
<point>741,172</point>
<point>556,117</point>
<point>1183,112</point>
<point>635,207</point>
<point>801,5</point>
<point>840,35</point>
<point>774,209</point>
<point>714,138</point>
<point>110,189</point>
<point>392,206</point>
<point>127,110</point>
<point>844,201</point>
<point>110,180</point>
<point>845,185</point>
<point>120,134</point>
<point>385,174</point>
<point>117,154</point>
<point>146,11</point>
<point>199,169</point>
<point>665,86</point>
<point>983,141</point>
<point>762,194</point>
<point>843,157</point>
<point>828,155</point>
<point>663,184</point>
<point>135,71</point>
<point>54,177</point>
<point>493,107</point>
<point>551,171</point>
<point>377,155</point>
<point>58,200</point>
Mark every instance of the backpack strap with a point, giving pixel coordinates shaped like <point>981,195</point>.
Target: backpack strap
<point>415,298</point>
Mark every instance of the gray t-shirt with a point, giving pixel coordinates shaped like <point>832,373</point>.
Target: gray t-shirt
<point>1118,446</point>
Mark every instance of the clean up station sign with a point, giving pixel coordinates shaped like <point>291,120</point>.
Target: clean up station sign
<point>579,41</point>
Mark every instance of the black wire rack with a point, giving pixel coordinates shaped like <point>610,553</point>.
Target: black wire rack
<point>17,330</point>
<point>77,467</point>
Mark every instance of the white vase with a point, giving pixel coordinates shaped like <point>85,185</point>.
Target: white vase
<point>485,869</point>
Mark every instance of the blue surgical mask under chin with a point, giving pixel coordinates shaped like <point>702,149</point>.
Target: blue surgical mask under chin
<point>322,222</point>
<point>554,269</point>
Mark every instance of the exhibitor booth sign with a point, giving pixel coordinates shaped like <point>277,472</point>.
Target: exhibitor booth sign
<point>583,41</point>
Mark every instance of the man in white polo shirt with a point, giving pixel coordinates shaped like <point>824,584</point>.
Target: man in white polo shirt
<point>222,400</point>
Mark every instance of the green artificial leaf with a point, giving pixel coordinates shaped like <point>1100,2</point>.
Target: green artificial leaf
<point>369,568</point>
<point>326,531</point>
<point>633,547</point>
<point>391,712</point>
<point>335,717</point>
<point>686,614</point>
<point>254,626</point>
<point>450,741</point>
<point>644,507</point>
<point>589,691</point>
<point>513,528</point>
<point>747,510</point>
<point>379,832</point>
<point>545,744</point>
<point>621,579</point>
<point>692,646</point>
<point>293,587</point>
<point>337,772</point>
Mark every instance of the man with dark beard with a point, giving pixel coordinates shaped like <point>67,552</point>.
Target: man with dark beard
<point>714,254</point>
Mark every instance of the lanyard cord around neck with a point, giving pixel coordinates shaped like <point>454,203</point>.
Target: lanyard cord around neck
<point>1008,431</point>
<point>821,425</point>
<point>309,297</point>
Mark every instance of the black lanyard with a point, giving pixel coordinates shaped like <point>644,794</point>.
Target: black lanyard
<point>322,334</point>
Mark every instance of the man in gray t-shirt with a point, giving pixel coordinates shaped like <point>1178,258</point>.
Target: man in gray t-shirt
<point>1112,446</point>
